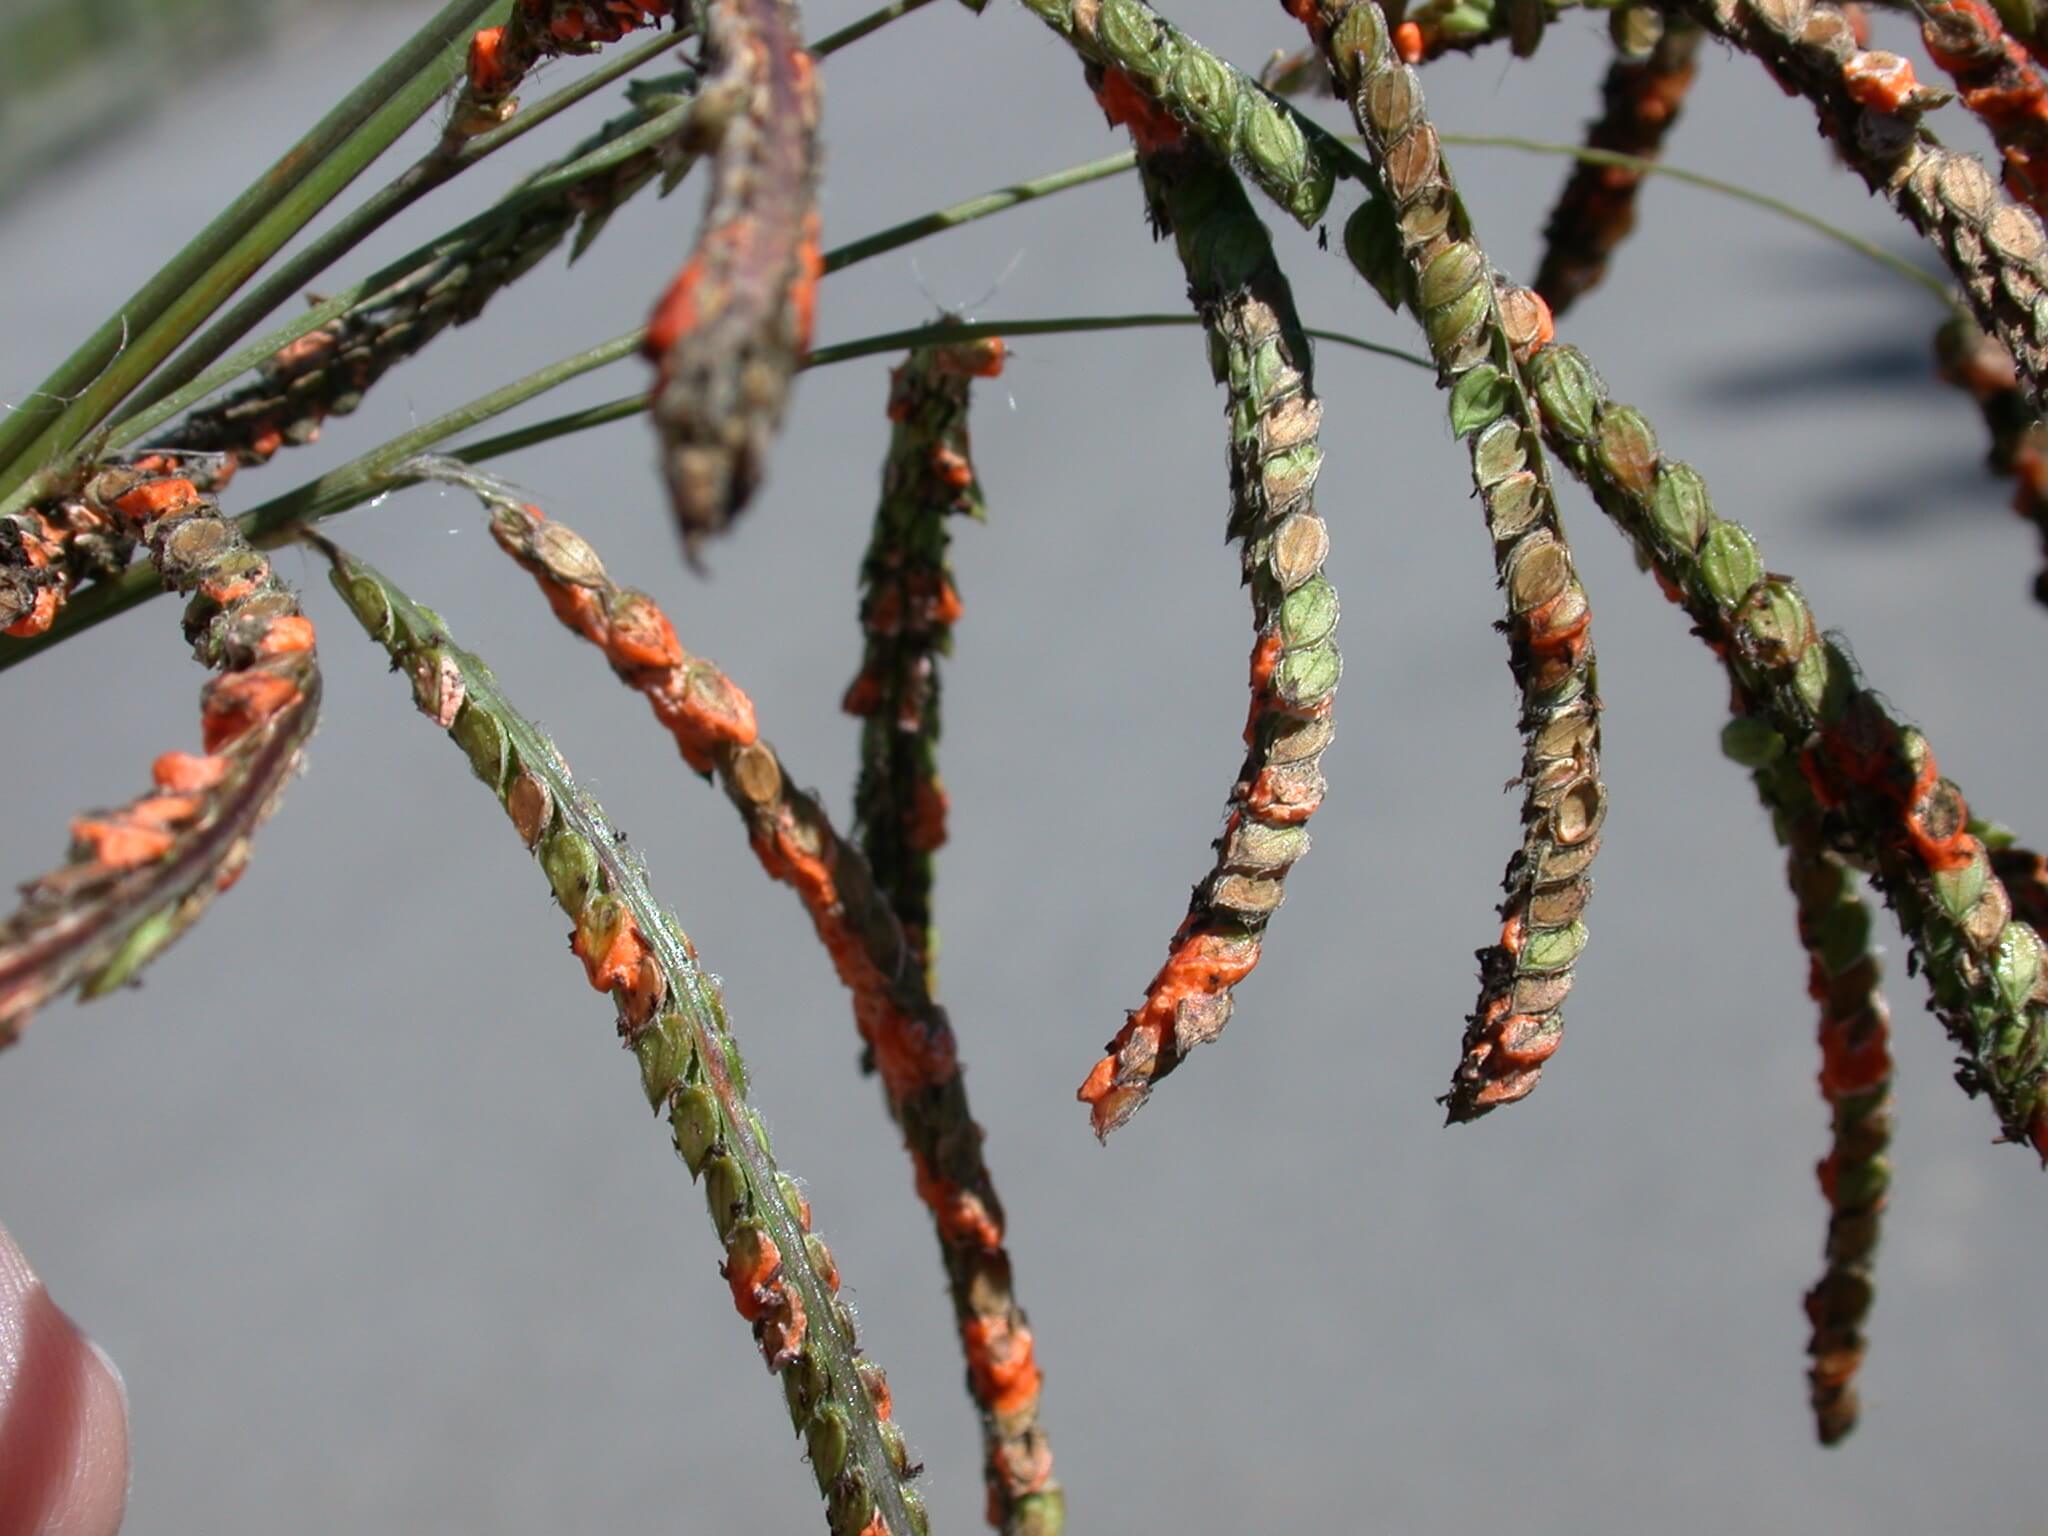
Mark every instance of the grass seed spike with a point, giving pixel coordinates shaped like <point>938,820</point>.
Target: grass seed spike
<point>1983,370</point>
<point>735,323</point>
<point>1477,334</point>
<point>1258,352</point>
<point>500,57</point>
<point>783,1279</point>
<point>1640,100</point>
<point>909,605</point>
<point>1876,776</point>
<point>327,371</point>
<point>1869,105</point>
<point>1855,1068</point>
<point>908,1035</point>
<point>140,875</point>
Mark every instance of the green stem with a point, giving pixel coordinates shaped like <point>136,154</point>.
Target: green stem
<point>482,229</point>
<point>431,171</point>
<point>912,230</point>
<point>372,474</point>
<point>874,21</point>
<point>1586,155</point>
<point>201,277</point>
<point>674,1021</point>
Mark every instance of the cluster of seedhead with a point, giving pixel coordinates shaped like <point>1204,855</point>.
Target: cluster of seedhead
<point>1852,789</point>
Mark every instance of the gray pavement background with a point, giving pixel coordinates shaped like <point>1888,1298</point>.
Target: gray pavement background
<point>356,1190</point>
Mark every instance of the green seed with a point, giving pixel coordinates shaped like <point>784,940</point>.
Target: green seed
<point>1450,326</point>
<point>1730,564</point>
<point>1568,390</point>
<point>1775,625</point>
<point>483,738</point>
<point>365,598</point>
<point>1450,272</point>
<point>1304,678</point>
<point>825,1438</point>
<point>1552,950</point>
<point>2017,965</point>
<point>1960,889</point>
<point>694,1120</point>
<point>1627,449</point>
<point>1202,86</point>
<point>1751,742</point>
<point>664,1050</point>
<point>143,942</point>
<point>1273,143</point>
<point>571,867</point>
<point>1478,399</point>
<point>1308,614</point>
<point>1501,451</point>
<point>1359,44</point>
<point>1132,36</point>
<point>725,1195</point>
<point>1680,506</point>
<point>1372,241</point>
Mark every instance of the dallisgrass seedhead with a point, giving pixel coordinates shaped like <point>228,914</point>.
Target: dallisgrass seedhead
<point>736,321</point>
<point>139,875</point>
<point>906,1034</point>
<point>92,469</point>
<point>671,1015</point>
<point>1258,352</point>
<point>1480,332</point>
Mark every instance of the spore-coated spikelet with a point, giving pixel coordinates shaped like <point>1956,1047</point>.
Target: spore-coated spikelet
<point>1983,370</point>
<point>736,321</point>
<point>501,56</point>
<point>909,605</point>
<point>1870,106</point>
<point>1259,354</point>
<point>1855,1070</point>
<point>141,874</point>
<point>1480,333</point>
<point>1875,776</point>
<point>904,1030</point>
<point>1641,98</point>
<point>783,1280</point>
<point>1214,100</point>
<point>327,371</point>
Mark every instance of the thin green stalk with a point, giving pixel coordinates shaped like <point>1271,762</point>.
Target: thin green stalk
<point>431,171</point>
<point>672,1017</point>
<point>150,331</point>
<point>1586,155</point>
<point>424,54</point>
<point>520,204</point>
<point>372,474</point>
<point>490,225</point>
<point>328,373</point>
<point>874,21</point>
<point>912,230</point>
